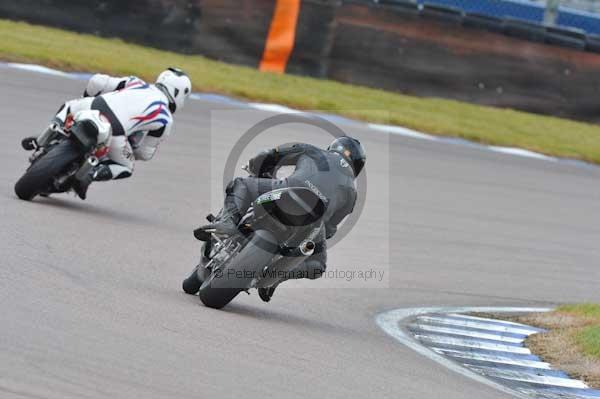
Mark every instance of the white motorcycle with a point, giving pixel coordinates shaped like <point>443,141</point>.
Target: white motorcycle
<point>63,157</point>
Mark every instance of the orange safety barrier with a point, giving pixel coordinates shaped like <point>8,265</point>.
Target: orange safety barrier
<point>282,34</point>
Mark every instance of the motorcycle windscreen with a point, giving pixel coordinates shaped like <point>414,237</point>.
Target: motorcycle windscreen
<point>294,207</point>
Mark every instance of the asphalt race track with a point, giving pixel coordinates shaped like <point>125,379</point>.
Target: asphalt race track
<point>90,298</point>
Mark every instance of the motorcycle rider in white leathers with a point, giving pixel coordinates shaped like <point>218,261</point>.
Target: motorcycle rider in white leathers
<point>141,116</point>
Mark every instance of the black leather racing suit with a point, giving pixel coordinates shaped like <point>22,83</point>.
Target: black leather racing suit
<point>326,173</point>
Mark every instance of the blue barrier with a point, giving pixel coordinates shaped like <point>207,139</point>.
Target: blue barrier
<point>525,10</point>
<point>583,20</point>
<point>496,8</point>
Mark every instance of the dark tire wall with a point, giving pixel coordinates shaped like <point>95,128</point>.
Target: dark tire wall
<point>381,47</point>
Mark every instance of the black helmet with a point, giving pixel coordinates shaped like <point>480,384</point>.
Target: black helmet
<point>352,151</point>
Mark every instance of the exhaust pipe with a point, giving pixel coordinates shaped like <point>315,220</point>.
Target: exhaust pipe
<point>307,248</point>
<point>90,163</point>
<point>93,160</point>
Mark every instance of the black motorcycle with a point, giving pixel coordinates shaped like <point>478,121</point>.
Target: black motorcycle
<point>277,233</point>
<point>64,156</point>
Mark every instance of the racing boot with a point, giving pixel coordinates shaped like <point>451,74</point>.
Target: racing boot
<point>312,269</point>
<point>267,293</point>
<point>29,143</point>
<point>63,120</point>
<point>80,186</point>
<point>237,201</point>
<point>52,131</point>
<point>33,143</point>
<point>226,224</point>
<point>99,173</point>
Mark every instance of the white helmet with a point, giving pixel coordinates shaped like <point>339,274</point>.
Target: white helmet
<point>176,85</point>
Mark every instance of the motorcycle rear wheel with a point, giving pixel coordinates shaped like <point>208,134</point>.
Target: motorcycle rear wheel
<point>40,175</point>
<point>222,287</point>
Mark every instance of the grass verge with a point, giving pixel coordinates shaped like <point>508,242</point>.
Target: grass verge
<point>23,42</point>
<point>572,342</point>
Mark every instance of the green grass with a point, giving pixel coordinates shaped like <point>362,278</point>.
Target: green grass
<point>71,51</point>
<point>587,337</point>
<point>590,310</point>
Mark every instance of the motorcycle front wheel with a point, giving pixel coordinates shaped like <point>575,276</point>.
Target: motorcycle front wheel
<point>191,285</point>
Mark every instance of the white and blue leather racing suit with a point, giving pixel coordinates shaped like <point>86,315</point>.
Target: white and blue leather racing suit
<point>138,112</point>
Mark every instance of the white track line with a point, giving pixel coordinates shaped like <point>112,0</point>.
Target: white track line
<point>402,131</point>
<point>275,108</point>
<point>481,325</point>
<point>521,152</point>
<point>466,333</point>
<point>528,377</point>
<point>492,358</point>
<point>38,69</point>
<point>473,344</point>
<point>389,322</point>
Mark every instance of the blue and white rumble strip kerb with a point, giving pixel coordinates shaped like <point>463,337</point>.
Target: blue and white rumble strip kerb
<point>487,350</point>
<point>339,120</point>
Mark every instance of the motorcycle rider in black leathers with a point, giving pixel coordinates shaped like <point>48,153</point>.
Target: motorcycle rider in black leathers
<point>328,173</point>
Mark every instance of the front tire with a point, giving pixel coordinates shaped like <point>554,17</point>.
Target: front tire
<point>218,290</point>
<point>40,175</point>
<point>192,284</point>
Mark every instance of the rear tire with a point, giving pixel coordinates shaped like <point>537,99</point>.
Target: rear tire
<point>218,291</point>
<point>192,284</point>
<point>40,176</point>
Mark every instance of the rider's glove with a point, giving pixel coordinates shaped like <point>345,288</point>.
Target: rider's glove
<point>262,163</point>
